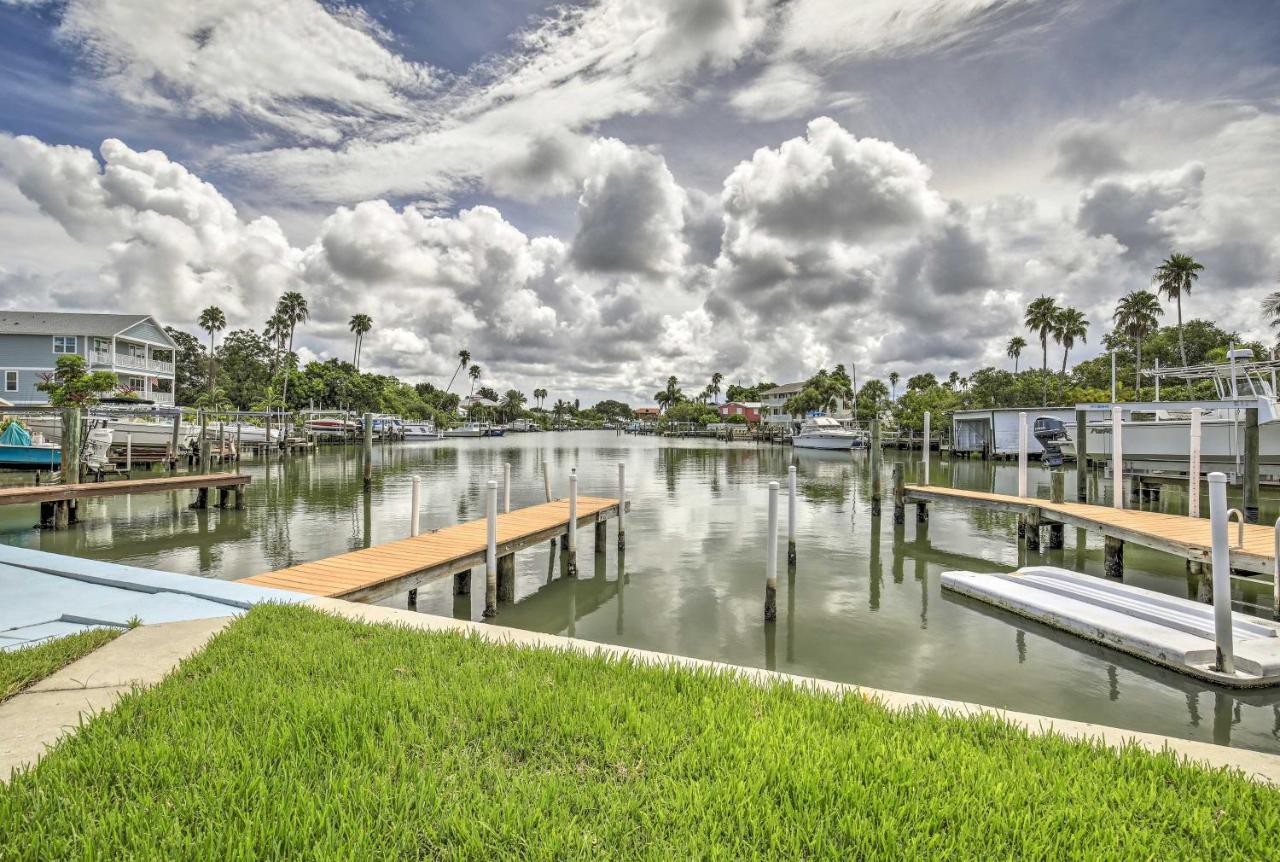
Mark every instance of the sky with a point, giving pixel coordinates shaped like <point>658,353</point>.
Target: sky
<point>593,197</point>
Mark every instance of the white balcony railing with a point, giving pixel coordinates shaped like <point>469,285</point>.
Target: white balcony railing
<point>160,365</point>
<point>100,357</point>
<point>161,397</point>
<point>126,361</point>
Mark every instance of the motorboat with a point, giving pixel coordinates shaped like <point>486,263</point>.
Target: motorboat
<point>19,450</point>
<point>142,431</point>
<point>824,432</point>
<point>329,426</point>
<point>469,429</point>
<point>245,432</point>
<point>421,431</point>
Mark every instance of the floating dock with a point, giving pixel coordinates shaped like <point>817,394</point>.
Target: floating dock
<point>1252,546</point>
<point>372,574</point>
<point>1165,630</point>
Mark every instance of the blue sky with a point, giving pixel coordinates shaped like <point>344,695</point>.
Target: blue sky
<point>592,197</point>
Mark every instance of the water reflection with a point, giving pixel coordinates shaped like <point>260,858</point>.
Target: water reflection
<point>691,581</point>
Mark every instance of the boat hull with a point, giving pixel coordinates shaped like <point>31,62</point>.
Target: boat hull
<point>1166,445</point>
<point>30,457</point>
<point>824,441</point>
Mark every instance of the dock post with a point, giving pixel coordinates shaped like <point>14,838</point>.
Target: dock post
<point>1022,454</point>
<point>368,451</point>
<point>791,515</point>
<point>875,466</point>
<point>602,536</point>
<point>491,550</point>
<point>239,429</point>
<point>1057,494</point>
<point>1082,456</point>
<point>1275,575</point>
<point>204,442</point>
<point>507,578</point>
<point>70,455</point>
<point>1033,529</point>
<point>415,506</point>
<point>928,448</point>
<point>128,453</point>
<point>1113,557</point>
<point>1221,572</point>
<point>771,563</point>
<point>1193,466</point>
<point>266,447</point>
<point>899,495</point>
<point>173,441</point>
<point>622,505</point>
<point>571,552</point>
<point>222,444</point>
<point>506,488</point>
<point>546,481</point>
<point>1117,459</point>
<point>462,583</point>
<point>1251,465</point>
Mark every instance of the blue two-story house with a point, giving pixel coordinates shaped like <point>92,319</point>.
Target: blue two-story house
<point>134,347</point>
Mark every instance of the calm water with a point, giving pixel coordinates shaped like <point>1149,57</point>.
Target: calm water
<point>863,606</point>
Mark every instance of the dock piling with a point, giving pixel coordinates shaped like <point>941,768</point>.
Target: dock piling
<point>602,536</point>
<point>1057,494</point>
<point>1117,459</point>
<point>491,552</point>
<point>1033,529</point>
<point>1221,573</point>
<point>1193,466</point>
<point>874,458</point>
<point>1082,456</point>
<point>899,495</point>
<point>1275,576</point>
<point>506,488</point>
<point>1022,454</point>
<point>571,558</point>
<point>1113,557</point>
<point>622,505</point>
<point>507,578</point>
<point>928,447</point>
<point>791,515</point>
<point>174,440</point>
<point>239,437</point>
<point>128,453</point>
<point>771,562</point>
<point>368,451</point>
<point>415,506</point>
<point>1251,465</point>
<point>204,442</point>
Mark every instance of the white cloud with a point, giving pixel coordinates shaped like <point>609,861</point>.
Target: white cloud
<point>780,91</point>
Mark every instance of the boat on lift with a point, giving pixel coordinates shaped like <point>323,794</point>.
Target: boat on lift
<point>824,432</point>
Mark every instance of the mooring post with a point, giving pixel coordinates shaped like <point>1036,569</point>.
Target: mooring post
<point>1221,572</point>
<point>368,451</point>
<point>222,443</point>
<point>239,436</point>
<point>507,578</point>
<point>1193,467</point>
<point>491,552</point>
<point>899,495</point>
<point>1113,557</point>
<point>622,505</point>
<point>266,447</point>
<point>204,442</point>
<point>571,551</point>
<point>1033,529</point>
<point>1057,494</point>
<point>1275,575</point>
<point>875,465</point>
<point>928,448</point>
<point>602,536</point>
<point>791,515</point>
<point>415,505</point>
<point>70,454</point>
<point>1251,465</point>
<point>1022,454</point>
<point>128,453</point>
<point>1082,456</point>
<point>506,488</point>
<point>173,440</point>
<point>1117,459</point>
<point>546,480</point>
<point>771,561</point>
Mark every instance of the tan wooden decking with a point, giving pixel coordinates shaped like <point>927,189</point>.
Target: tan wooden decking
<point>84,490</point>
<point>1175,534</point>
<point>386,569</point>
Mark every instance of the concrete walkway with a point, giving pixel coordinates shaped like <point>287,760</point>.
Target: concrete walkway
<point>54,707</point>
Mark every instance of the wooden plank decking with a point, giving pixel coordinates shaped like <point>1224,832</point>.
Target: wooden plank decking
<point>375,573</point>
<point>84,490</point>
<point>1175,534</point>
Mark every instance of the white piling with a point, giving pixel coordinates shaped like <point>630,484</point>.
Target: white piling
<point>1022,454</point>
<point>546,480</point>
<point>1113,378</point>
<point>1275,576</point>
<point>415,506</point>
<point>791,514</point>
<point>622,505</point>
<point>1117,459</point>
<point>771,563</point>
<point>1193,468</point>
<point>572,558</point>
<point>506,488</point>
<point>128,453</point>
<point>491,553</point>
<point>927,447</point>
<point>1221,572</point>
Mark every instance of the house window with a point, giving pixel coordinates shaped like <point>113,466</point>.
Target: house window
<point>64,344</point>
<point>137,384</point>
<point>11,381</point>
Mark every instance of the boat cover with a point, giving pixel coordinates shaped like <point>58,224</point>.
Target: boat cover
<point>15,435</point>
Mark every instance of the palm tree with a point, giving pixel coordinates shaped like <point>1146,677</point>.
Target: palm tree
<point>539,395</point>
<point>293,308</point>
<point>1040,317</point>
<point>1069,325</point>
<point>276,331</point>
<point>1174,278</point>
<point>474,373</point>
<point>673,392</point>
<point>512,402</point>
<point>1136,315</point>
<point>894,377</point>
<point>1014,350</point>
<point>360,324</point>
<point>1271,308</point>
<point>212,321</point>
<point>464,357</point>
<point>714,388</point>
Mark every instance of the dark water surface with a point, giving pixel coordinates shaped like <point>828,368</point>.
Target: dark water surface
<point>864,604</point>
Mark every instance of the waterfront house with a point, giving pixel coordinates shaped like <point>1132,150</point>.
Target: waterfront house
<point>750,410</point>
<point>647,412</point>
<point>134,347</point>
<point>771,401</point>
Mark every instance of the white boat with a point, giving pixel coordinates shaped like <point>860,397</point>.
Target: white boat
<point>469,429</point>
<point>823,432</point>
<point>421,431</point>
<point>248,433</point>
<point>1157,436</point>
<point>331,427</point>
<point>141,431</point>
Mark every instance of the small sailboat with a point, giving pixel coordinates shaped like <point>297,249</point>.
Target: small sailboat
<point>18,450</point>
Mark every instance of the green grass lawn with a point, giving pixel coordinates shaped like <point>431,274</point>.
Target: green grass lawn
<point>300,736</point>
<point>25,667</point>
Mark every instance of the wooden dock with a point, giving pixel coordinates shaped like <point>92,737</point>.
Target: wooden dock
<point>1173,534</point>
<point>55,501</point>
<point>372,574</point>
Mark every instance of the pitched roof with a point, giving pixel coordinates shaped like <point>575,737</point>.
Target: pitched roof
<point>66,323</point>
<point>784,389</point>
